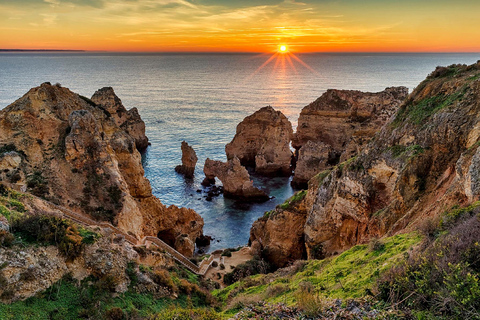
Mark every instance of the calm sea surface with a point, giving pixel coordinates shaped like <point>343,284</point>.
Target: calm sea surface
<point>201,98</point>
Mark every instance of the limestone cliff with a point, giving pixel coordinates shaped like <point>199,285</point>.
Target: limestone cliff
<point>423,161</point>
<point>263,141</point>
<point>340,123</point>
<point>81,155</point>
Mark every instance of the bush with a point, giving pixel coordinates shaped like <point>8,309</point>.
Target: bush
<point>249,268</point>
<point>227,253</point>
<point>114,313</point>
<point>187,314</point>
<point>6,239</point>
<point>162,277</point>
<point>51,230</point>
<point>444,278</point>
<point>376,245</point>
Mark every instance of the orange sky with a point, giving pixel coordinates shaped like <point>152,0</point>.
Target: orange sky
<point>235,25</point>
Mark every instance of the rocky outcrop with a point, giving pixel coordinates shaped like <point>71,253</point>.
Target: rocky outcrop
<point>344,121</point>
<point>130,120</point>
<point>80,155</point>
<point>419,165</point>
<point>235,179</point>
<point>189,160</point>
<point>312,157</point>
<point>278,236</point>
<point>262,141</point>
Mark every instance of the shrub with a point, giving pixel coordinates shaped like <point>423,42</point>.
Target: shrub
<point>114,313</point>
<point>249,268</point>
<point>37,184</point>
<point>227,253</point>
<point>51,230</point>
<point>376,245</point>
<point>187,314</point>
<point>6,239</point>
<point>162,277</point>
<point>444,278</point>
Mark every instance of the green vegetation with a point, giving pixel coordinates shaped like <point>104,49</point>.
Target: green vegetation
<point>37,184</point>
<point>320,177</point>
<point>352,274</point>
<point>442,281</point>
<point>293,200</point>
<point>7,148</point>
<point>94,299</point>
<point>418,113</point>
<point>39,229</point>
<point>410,151</point>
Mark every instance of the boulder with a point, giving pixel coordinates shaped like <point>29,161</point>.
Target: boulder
<point>189,160</point>
<point>262,141</point>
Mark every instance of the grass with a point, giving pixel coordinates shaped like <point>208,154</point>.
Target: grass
<point>401,150</point>
<point>421,111</point>
<point>67,300</point>
<point>290,202</point>
<point>351,274</point>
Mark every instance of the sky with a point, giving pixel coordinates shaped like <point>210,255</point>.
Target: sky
<point>242,25</point>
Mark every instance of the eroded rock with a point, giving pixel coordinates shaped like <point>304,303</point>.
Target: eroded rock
<point>263,141</point>
<point>235,179</point>
<point>344,120</point>
<point>189,160</point>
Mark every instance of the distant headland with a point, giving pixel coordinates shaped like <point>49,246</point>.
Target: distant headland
<point>38,50</point>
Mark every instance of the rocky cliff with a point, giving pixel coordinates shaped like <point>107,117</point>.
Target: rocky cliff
<point>339,124</point>
<point>83,155</point>
<point>423,161</point>
<point>262,141</point>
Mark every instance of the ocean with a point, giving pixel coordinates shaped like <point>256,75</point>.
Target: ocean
<point>200,98</point>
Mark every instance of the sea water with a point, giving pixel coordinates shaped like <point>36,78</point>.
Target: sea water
<point>200,98</point>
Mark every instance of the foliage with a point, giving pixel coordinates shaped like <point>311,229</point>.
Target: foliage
<point>320,177</point>
<point>37,184</point>
<point>7,148</point>
<point>251,267</point>
<point>51,230</point>
<point>401,150</point>
<point>187,314</point>
<point>293,200</point>
<point>419,112</point>
<point>6,238</point>
<point>352,274</point>
<point>443,279</point>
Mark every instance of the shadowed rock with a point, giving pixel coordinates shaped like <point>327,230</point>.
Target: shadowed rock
<point>235,179</point>
<point>189,160</point>
<point>263,141</point>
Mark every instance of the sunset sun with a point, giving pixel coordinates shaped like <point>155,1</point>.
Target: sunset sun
<point>283,48</point>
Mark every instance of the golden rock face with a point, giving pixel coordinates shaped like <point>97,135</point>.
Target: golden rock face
<point>82,154</point>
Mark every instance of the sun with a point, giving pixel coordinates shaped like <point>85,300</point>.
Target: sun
<point>283,48</point>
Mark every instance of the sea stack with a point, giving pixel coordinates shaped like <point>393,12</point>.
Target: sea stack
<point>262,141</point>
<point>189,160</point>
<point>235,179</point>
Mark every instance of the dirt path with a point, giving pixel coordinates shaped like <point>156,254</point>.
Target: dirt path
<point>227,264</point>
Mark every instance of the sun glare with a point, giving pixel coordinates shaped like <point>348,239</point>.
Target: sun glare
<point>283,48</point>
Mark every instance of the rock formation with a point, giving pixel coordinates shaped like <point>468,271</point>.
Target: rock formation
<point>235,179</point>
<point>279,234</point>
<point>263,141</point>
<point>189,160</point>
<point>80,155</point>
<point>420,164</point>
<point>129,121</point>
<point>343,120</point>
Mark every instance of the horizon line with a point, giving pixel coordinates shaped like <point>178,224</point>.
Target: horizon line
<point>235,52</point>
